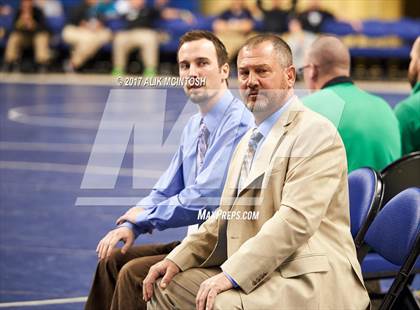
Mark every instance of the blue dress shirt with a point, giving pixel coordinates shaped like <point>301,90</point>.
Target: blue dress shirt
<point>182,190</point>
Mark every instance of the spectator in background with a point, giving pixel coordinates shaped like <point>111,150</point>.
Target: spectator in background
<point>408,110</point>
<point>50,8</point>
<point>275,19</point>
<point>29,28</point>
<point>86,34</point>
<point>139,33</point>
<point>107,9</point>
<point>5,10</point>
<point>299,40</point>
<point>315,16</point>
<point>366,123</point>
<point>234,26</point>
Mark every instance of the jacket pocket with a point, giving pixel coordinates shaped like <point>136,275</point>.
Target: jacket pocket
<point>303,265</point>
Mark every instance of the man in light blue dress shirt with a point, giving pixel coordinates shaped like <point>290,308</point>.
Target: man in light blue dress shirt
<point>193,181</point>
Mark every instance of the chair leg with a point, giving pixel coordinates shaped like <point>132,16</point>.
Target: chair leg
<point>406,300</point>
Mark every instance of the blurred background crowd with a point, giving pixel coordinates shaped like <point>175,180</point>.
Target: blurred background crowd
<point>141,36</point>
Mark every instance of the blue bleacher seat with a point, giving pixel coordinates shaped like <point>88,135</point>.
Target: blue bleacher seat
<point>337,28</point>
<point>406,29</point>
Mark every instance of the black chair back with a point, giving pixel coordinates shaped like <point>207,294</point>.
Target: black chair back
<point>400,175</point>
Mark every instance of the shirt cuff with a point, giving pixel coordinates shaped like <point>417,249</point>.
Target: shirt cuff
<point>143,223</point>
<point>133,227</point>
<point>235,285</point>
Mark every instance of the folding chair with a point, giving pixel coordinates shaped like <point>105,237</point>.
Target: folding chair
<point>395,235</point>
<point>366,192</point>
<point>396,177</point>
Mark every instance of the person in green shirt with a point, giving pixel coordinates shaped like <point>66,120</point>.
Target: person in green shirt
<point>408,110</point>
<point>365,122</point>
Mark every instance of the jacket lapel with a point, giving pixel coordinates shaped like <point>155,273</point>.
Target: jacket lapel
<point>270,145</point>
<point>230,191</point>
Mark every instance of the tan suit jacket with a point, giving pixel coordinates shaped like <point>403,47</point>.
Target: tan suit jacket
<point>299,252</point>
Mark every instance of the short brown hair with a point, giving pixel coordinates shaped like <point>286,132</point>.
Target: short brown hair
<point>194,35</point>
<point>282,48</point>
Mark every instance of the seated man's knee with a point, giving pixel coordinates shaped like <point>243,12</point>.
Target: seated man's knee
<point>126,272</point>
<point>114,261</point>
<point>156,301</point>
<point>116,256</point>
<point>228,300</point>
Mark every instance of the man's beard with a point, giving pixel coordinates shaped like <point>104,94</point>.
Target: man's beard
<point>259,105</point>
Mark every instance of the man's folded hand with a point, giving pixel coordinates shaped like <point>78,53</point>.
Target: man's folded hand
<point>130,216</point>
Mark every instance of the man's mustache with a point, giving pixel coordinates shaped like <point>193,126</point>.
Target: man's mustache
<point>262,92</point>
<point>255,92</point>
<point>194,86</point>
<point>252,92</point>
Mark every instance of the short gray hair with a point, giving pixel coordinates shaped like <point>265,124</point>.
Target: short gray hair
<point>282,48</point>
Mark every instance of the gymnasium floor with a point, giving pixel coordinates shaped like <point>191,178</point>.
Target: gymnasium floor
<point>47,237</point>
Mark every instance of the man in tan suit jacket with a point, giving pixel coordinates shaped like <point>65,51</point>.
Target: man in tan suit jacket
<point>296,250</point>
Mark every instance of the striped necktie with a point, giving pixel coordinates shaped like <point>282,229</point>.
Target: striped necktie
<point>202,144</point>
<point>203,136</point>
<point>249,156</point>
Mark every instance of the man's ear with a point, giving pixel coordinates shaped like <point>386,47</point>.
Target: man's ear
<point>291,76</point>
<point>314,73</point>
<point>224,69</point>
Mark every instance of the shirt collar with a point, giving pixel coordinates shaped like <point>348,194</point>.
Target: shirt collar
<point>213,118</point>
<point>416,88</point>
<point>338,80</point>
<point>265,127</point>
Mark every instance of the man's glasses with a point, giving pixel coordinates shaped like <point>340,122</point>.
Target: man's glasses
<point>301,69</point>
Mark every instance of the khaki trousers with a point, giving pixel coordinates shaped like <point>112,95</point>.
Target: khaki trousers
<point>182,291</point>
<point>118,279</point>
<point>85,42</point>
<point>18,40</point>
<point>144,39</point>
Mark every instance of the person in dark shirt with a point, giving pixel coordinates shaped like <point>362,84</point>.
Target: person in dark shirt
<point>5,11</point>
<point>139,33</point>
<point>86,33</point>
<point>315,16</point>
<point>234,26</point>
<point>274,20</point>
<point>29,28</point>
